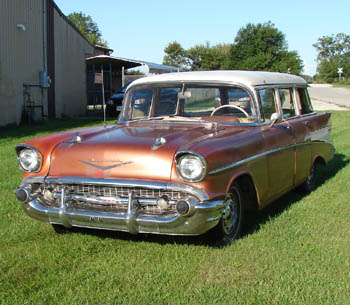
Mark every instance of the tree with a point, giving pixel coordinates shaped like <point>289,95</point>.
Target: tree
<point>256,47</point>
<point>199,57</point>
<point>263,47</point>
<point>87,27</point>
<point>333,53</point>
<point>206,57</point>
<point>175,55</point>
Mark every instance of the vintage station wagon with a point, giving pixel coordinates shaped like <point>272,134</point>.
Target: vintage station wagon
<point>190,153</point>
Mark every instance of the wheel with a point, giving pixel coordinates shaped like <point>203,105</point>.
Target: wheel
<point>310,183</point>
<point>59,229</point>
<point>231,106</point>
<point>230,226</point>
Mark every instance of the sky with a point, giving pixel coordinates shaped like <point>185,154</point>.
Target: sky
<point>141,29</point>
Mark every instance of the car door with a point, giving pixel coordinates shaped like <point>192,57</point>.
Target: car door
<point>279,146</point>
<point>290,106</point>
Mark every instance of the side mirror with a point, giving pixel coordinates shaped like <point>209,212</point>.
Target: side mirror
<point>275,118</point>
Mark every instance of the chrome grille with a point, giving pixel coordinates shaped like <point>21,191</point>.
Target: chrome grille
<point>120,192</point>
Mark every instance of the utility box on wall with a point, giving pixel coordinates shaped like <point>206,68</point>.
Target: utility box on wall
<point>45,80</point>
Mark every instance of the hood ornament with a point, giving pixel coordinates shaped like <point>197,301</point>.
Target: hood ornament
<point>160,141</point>
<point>75,139</point>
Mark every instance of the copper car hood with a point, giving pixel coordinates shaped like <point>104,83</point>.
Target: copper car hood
<point>140,150</point>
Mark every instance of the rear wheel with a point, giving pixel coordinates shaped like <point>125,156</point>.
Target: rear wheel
<point>310,183</point>
<point>231,223</point>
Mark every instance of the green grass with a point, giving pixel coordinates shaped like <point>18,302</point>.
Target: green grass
<point>337,85</point>
<point>295,252</point>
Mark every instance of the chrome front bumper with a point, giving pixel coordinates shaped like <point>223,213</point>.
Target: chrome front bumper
<point>202,216</point>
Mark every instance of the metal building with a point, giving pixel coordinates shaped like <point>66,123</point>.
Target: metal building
<point>42,62</point>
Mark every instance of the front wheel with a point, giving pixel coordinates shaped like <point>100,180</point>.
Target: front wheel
<point>231,223</point>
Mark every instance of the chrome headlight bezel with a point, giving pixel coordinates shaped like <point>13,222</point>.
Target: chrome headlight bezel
<point>33,153</point>
<point>190,157</point>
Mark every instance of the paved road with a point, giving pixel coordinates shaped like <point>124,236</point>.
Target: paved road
<point>328,94</point>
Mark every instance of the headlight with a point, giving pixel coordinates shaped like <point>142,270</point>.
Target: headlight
<point>29,160</point>
<point>191,167</point>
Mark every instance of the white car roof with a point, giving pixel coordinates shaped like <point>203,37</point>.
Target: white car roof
<point>248,78</point>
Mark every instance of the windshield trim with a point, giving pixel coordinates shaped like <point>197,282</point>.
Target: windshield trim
<point>182,85</point>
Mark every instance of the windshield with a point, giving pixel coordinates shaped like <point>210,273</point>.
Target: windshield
<point>213,103</point>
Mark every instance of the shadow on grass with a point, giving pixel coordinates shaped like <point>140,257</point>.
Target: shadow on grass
<point>276,208</point>
<point>253,222</point>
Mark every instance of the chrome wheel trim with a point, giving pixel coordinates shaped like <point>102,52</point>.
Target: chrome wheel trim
<point>311,179</point>
<point>230,216</point>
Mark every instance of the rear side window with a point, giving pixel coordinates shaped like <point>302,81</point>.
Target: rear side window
<point>287,102</point>
<point>305,101</point>
<point>267,101</point>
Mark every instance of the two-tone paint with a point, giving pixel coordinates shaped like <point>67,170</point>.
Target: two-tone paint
<point>143,154</point>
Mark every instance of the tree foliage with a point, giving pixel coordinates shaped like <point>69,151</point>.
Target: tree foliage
<point>175,55</point>
<point>87,27</point>
<point>206,57</point>
<point>333,53</point>
<point>256,47</point>
<point>263,47</point>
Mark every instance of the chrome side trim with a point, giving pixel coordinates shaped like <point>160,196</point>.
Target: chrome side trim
<point>263,154</point>
<point>196,192</point>
<point>240,162</point>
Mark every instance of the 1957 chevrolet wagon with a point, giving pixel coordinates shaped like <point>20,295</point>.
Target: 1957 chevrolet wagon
<point>191,152</point>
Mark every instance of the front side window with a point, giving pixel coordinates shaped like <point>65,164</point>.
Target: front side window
<point>287,104</point>
<point>268,104</point>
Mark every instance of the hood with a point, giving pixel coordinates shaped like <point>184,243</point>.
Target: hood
<point>127,151</point>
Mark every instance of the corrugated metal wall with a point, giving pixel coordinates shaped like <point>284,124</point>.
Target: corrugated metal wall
<point>21,55</point>
<point>21,60</point>
<point>70,51</point>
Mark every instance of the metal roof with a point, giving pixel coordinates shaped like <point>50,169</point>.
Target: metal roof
<point>118,63</point>
<point>248,78</point>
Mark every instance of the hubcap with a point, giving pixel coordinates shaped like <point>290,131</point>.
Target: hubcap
<point>311,179</point>
<point>230,215</point>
